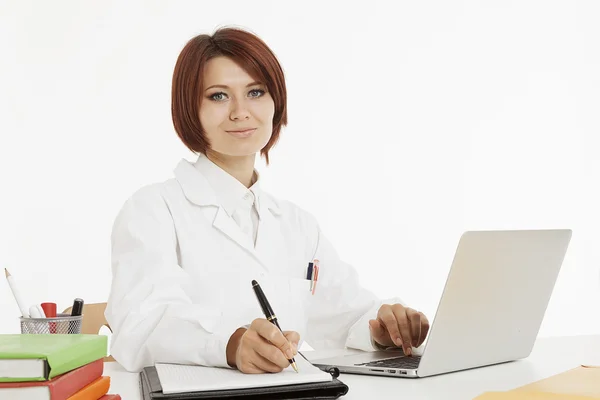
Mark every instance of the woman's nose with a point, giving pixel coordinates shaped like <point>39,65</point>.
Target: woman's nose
<point>238,111</point>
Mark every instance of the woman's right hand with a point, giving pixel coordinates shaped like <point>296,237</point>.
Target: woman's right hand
<point>261,348</point>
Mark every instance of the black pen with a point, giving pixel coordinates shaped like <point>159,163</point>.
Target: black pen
<point>269,314</point>
<point>76,311</point>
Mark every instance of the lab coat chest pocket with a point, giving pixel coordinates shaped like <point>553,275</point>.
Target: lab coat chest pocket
<point>290,299</point>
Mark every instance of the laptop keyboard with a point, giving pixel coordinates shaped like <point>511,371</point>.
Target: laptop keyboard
<point>396,362</point>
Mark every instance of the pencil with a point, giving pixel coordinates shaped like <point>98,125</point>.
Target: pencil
<point>16,294</point>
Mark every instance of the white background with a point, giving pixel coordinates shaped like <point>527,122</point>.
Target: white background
<point>409,122</point>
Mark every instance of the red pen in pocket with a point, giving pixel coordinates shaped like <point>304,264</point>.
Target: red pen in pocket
<point>315,275</point>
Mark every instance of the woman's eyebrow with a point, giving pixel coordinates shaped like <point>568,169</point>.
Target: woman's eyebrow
<point>227,87</point>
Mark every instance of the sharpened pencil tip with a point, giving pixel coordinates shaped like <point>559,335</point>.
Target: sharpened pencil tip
<point>6,272</point>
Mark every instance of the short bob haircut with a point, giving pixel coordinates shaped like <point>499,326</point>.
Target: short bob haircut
<point>246,50</point>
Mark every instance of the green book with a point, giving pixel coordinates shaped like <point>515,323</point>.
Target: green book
<point>26,357</point>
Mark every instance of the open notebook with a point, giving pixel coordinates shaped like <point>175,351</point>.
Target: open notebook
<point>176,378</point>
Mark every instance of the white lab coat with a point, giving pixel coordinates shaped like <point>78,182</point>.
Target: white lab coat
<point>182,272</point>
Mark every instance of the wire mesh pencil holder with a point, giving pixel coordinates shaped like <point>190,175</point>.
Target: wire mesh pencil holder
<point>61,325</point>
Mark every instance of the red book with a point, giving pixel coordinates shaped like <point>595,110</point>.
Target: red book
<point>59,388</point>
<point>110,397</point>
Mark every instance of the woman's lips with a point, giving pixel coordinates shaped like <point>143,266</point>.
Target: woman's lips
<point>242,133</point>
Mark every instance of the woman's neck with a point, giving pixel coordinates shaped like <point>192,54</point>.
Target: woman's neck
<point>240,167</point>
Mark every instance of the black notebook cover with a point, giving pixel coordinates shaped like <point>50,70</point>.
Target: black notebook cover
<point>151,389</point>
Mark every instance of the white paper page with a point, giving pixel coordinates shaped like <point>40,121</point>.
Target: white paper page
<point>176,378</point>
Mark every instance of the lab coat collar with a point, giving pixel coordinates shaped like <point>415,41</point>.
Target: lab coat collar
<point>264,202</point>
<point>194,185</point>
<point>197,189</point>
<point>229,191</point>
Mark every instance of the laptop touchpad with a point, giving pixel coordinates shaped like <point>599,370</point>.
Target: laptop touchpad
<point>371,356</point>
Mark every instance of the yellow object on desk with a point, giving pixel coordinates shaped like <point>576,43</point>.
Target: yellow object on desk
<point>513,395</point>
<point>581,383</point>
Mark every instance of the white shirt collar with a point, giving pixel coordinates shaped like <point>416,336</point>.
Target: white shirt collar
<point>230,192</point>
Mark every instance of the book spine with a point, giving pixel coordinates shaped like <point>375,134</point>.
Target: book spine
<point>70,383</point>
<point>94,390</point>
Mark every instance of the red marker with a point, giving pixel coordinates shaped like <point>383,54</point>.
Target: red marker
<point>50,311</point>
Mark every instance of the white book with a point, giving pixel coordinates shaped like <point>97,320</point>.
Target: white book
<point>176,378</point>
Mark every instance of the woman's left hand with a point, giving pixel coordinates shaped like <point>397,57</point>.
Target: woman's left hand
<point>400,326</point>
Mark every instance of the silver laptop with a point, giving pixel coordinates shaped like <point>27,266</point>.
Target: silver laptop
<point>491,309</point>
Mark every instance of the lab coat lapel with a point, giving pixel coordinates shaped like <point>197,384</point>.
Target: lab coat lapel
<point>229,228</point>
<point>270,245</point>
<point>197,190</point>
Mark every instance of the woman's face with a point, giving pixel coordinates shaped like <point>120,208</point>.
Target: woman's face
<point>236,112</point>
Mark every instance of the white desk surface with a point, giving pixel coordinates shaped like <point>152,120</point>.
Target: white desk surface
<point>550,356</point>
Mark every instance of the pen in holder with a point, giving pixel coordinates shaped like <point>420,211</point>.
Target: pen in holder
<point>61,324</point>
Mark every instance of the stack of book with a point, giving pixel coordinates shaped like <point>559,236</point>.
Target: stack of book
<point>54,367</point>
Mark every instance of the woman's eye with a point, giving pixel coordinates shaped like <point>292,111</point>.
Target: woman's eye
<point>220,96</point>
<point>256,93</point>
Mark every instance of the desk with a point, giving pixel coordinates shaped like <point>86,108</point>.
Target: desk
<point>550,356</point>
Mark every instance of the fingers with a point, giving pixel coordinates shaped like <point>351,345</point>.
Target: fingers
<point>273,335</point>
<point>271,353</point>
<point>256,364</point>
<point>255,355</point>
<point>264,348</point>
<point>380,334</point>
<point>414,319</point>
<point>294,338</point>
<point>404,327</point>
<point>266,365</point>
<point>377,330</point>
<point>388,319</point>
<point>245,353</point>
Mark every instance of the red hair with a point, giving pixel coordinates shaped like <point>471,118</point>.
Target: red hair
<point>246,50</point>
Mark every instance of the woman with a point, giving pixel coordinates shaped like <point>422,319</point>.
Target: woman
<point>185,251</point>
